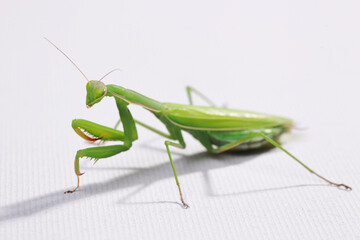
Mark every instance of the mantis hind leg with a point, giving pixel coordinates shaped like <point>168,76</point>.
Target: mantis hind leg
<point>292,156</point>
<point>190,90</point>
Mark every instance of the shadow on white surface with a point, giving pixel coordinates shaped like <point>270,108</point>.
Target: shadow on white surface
<point>200,162</point>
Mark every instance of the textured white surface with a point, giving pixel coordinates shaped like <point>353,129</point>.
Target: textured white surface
<point>300,60</point>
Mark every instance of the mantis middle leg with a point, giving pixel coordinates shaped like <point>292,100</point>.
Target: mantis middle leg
<point>177,134</point>
<point>154,130</point>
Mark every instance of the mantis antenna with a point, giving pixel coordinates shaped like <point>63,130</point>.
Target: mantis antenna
<point>69,58</point>
<point>116,69</point>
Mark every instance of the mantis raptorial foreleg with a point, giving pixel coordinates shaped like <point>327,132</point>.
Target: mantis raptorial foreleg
<point>99,132</point>
<point>96,153</point>
<point>91,131</point>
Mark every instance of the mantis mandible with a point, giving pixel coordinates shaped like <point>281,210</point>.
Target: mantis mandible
<point>217,129</point>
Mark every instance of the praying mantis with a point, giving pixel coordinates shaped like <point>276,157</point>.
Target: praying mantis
<point>217,129</point>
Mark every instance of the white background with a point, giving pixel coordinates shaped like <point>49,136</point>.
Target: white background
<point>297,59</point>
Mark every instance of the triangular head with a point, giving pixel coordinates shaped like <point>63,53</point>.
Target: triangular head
<point>96,91</point>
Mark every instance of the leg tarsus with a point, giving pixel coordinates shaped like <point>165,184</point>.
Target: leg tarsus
<point>185,205</point>
<point>339,185</point>
<point>78,183</point>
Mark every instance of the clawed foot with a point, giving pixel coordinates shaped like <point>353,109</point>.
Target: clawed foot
<point>344,186</point>
<point>71,191</point>
<point>78,184</point>
<point>184,205</point>
<point>339,185</point>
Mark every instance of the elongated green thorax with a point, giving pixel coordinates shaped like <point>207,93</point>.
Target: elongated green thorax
<point>133,97</point>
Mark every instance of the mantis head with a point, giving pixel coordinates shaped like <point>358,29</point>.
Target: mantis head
<point>96,91</point>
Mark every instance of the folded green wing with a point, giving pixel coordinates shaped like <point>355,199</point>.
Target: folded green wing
<point>213,118</point>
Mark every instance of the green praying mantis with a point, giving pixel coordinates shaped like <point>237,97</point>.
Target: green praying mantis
<point>217,129</point>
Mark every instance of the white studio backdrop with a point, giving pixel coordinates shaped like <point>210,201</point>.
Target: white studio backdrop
<point>295,59</point>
